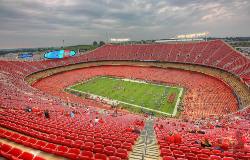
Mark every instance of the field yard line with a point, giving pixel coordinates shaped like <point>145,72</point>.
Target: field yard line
<point>178,101</point>
<point>109,100</point>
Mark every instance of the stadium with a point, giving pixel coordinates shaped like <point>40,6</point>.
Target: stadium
<point>124,80</point>
<point>153,88</point>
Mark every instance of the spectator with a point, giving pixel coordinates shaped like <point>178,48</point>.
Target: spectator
<point>28,109</point>
<point>46,114</point>
<point>72,114</point>
<point>170,137</point>
<point>136,130</point>
<point>218,145</point>
<point>90,123</point>
<point>201,131</point>
<point>205,142</point>
<point>96,120</point>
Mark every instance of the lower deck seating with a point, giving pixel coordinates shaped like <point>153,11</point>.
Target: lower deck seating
<point>204,95</point>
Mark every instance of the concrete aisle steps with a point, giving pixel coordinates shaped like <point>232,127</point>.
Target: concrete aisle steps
<point>152,150</point>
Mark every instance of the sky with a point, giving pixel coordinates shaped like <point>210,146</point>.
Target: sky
<point>45,23</point>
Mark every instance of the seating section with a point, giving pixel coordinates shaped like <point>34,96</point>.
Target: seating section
<point>212,53</point>
<point>190,148</point>
<point>72,138</point>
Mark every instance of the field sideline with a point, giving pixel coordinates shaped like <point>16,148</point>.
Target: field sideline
<point>154,97</point>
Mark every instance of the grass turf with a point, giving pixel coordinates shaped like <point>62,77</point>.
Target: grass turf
<point>147,95</point>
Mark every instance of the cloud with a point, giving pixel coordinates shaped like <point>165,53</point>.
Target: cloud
<point>32,23</point>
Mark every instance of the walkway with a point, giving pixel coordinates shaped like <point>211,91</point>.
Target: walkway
<point>146,147</point>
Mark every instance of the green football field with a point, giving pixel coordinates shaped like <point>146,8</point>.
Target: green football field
<point>151,96</point>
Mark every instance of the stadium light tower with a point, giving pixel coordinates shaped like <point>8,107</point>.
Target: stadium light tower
<point>107,37</point>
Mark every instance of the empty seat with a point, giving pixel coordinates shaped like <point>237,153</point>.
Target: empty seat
<point>228,154</point>
<point>127,146</point>
<point>109,150</point>
<point>98,148</point>
<point>100,156</point>
<point>31,142</point>
<point>73,153</point>
<point>79,144</point>
<point>6,148</point>
<point>216,152</point>
<point>50,147</point>
<point>168,158</point>
<point>26,156</point>
<point>40,145</point>
<point>202,157</point>
<point>122,153</point>
<point>15,136</point>
<point>87,154</point>
<point>89,146</point>
<point>191,156</point>
<point>22,139</point>
<point>215,157</point>
<point>74,150</point>
<point>178,154</point>
<point>195,150</point>
<point>206,151</point>
<point>114,158</point>
<point>38,158</point>
<point>107,142</point>
<point>228,158</point>
<point>166,152</point>
<point>117,144</point>
<point>15,152</point>
<point>61,150</point>
<point>184,149</point>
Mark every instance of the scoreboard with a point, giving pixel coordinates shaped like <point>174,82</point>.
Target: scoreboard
<point>59,54</point>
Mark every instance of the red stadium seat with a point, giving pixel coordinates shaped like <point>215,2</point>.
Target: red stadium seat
<point>214,157</point>
<point>109,150</point>
<point>26,156</point>
<point>15,152</point>
<point>168,158</point>
<point>114,158</point>
<point>98,148</point>
<point>100,156</point>
<point>38,158</point>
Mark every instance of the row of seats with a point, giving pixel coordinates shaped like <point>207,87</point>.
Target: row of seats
<point>14,153</point>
